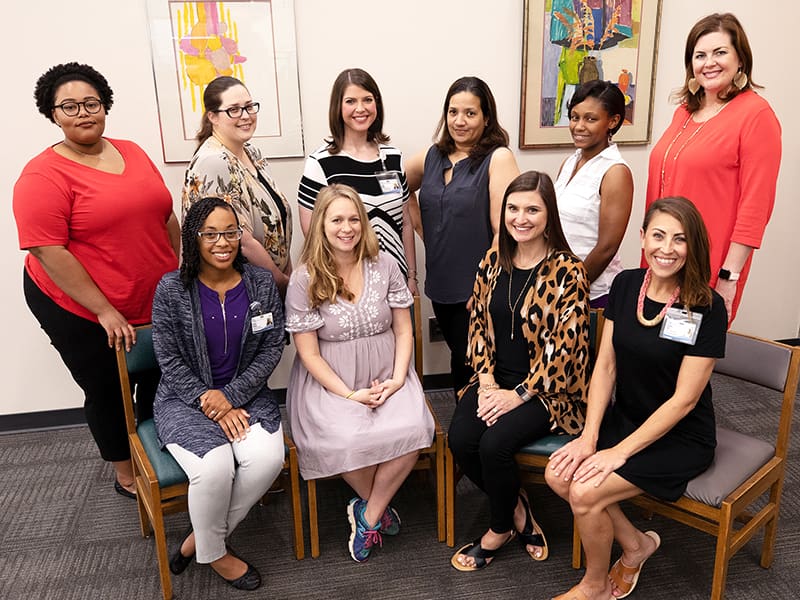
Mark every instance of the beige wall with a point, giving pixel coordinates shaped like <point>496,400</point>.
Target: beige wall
<point>414,49</point>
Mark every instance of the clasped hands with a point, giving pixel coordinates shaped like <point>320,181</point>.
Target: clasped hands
<point>234,422</point>
<point>579,461</point>
<point>377,393</point>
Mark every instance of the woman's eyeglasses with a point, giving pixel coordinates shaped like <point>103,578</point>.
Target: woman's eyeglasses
<point>234,112</point>
<point>73,109</point>
<point>212,237</point>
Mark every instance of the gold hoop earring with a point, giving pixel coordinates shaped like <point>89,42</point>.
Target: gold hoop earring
<point>740,79</point>
<point>693,86</point>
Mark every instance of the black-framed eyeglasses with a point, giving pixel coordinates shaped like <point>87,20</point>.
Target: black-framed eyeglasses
<point>234,112</point>
<point>212,237</point>
<point>72,109</point>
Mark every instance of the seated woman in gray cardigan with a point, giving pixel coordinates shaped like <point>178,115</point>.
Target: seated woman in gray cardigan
<point>218,335</point>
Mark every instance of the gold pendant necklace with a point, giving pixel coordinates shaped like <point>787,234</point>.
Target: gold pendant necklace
<point>513,308</point>
<point>686,143</point>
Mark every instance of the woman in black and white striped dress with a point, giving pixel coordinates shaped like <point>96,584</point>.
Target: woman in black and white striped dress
<point>357,155</point>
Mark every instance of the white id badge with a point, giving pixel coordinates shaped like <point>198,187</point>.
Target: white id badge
<point>680,325</point>
<point>261,323</point>
<point>389,181</point>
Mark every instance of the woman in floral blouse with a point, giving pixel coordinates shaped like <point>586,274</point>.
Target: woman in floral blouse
<point>226,165</point>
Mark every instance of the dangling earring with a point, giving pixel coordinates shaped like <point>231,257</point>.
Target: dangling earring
<point>693,86</point>
<point>740,79</point>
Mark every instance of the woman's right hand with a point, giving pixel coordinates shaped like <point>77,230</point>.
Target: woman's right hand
<point>370,397</point>
<point>566,460</point>
<point>117,328</point>
<point>235,424</point>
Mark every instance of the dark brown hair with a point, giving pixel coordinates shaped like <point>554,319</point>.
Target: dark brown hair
<point>493,136</point>
<point>728,23</point>
<point>212,100</point>
<point>363,80</point>
<point>695,275</point>
<point>531,181</point>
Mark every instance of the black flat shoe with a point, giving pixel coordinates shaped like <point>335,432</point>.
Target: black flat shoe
<point>251,579</point>
<point>178,562</point>
<point>122,491</point>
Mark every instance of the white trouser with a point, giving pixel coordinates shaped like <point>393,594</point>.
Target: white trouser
<point>222,493</point>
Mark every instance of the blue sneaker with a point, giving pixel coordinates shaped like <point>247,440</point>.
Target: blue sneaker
<point>362,537</point>
<point>390,522</point>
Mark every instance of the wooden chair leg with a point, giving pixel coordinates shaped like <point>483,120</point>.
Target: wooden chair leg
<point>312,517</point>
<point>441,512</point>
<point>297,511</point>
<point>771,528</point>
<point>723,554</point>
<point>160,538</point>
<point>450,497</point>
<point>577,547</point>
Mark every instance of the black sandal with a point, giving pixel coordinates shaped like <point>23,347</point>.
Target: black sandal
<point>478,552</point>
<point>527,536</point>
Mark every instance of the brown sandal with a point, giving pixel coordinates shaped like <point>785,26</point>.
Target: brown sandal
<point>620,573</point>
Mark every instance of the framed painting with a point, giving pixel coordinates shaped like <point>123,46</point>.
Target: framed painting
<point>568,42</point>
<point>252,40</point>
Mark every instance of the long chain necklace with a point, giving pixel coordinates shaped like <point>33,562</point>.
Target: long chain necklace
<point>640,304</point>
<point>513,308</point>
<point>686,143</point>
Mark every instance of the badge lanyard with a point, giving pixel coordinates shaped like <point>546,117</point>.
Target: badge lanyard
<point>260,321</point>
<point>681,325</point>
<point>388,180</point>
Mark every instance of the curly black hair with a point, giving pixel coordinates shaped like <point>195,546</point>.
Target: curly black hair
<point>49,82</point>
<point>192,222</point>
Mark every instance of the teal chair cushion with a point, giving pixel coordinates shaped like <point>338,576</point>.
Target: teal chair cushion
<point>167,470</point>
<point>547,445</point>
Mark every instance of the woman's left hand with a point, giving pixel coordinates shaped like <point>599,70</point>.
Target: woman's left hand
<point>235,424</point>
<point>599,466</point>
<point>498,403</point>
<point>727,289</point>
<point>214,404</point>
<point>388,387</point>
<point>413,286</point>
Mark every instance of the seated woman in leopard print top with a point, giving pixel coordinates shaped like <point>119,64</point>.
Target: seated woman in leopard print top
<point>529,347</point>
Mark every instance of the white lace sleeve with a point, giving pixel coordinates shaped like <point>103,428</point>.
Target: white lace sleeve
<point>299,315</point>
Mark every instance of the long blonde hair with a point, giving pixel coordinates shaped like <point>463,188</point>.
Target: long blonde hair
<point>324,281</point>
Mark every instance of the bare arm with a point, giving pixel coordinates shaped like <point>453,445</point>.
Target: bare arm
<point>258,255</point>
<point>502,170</point>
<point>174,233</point>
<point>69,275</point>
<point>305,219</point>
<point>410,249</point>
<point>415,168</point>
<point>734,261</point>
<point>616,199</point>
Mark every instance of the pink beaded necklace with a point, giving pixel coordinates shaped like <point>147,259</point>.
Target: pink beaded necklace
<point>640,304</point>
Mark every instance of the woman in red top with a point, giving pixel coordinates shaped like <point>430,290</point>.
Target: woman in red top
<point>97,222</point>
<point>722,150</point>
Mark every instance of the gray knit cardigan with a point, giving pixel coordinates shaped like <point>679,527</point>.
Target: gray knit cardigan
<point>179,341</point>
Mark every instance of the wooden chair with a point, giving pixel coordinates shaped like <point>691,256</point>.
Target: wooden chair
<point>161,485</point>
<point>746,470</point>
<point>431,458</point>
<point>532,458</point>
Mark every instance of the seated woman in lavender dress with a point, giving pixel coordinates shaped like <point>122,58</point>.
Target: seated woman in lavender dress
<point>218,334</point>
<point>355,404</point>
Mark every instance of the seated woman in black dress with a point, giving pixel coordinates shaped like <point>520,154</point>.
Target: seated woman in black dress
<point>528,345</point>
<point>665,327</point>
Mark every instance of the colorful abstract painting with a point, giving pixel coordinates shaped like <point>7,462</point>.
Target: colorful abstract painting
<point>569,42</point>
<point>252,40</point>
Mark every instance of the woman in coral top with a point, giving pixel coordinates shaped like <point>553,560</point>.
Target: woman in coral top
<point>722,150</point>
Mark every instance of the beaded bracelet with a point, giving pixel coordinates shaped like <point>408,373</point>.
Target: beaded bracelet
<point>488,387</point>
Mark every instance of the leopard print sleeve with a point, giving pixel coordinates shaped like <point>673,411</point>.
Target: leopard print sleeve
<point>480,342</point>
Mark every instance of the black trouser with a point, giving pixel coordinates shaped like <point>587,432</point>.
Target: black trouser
<point>486,454</point>
<point>453,320</point>
<point>83,346</point>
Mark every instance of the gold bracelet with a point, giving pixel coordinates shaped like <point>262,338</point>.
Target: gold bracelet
<point>488,387</point>
<point>350,395</point>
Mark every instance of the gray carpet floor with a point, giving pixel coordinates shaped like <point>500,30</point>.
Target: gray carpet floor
<point>67,535</point>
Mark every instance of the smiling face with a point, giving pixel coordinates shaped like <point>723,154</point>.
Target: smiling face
<point>590,124</point>
<point>342,225</point>
<point>234,132</point>
<point>359,109</point>
<point>715,62</point>
<point>525,217</point>
<point>84,128</point>
<point>664,245</point>
<point>218,256</point>
<point>465,119</point>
